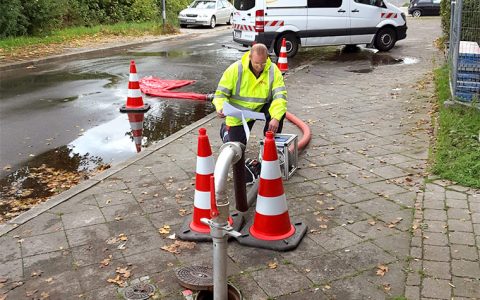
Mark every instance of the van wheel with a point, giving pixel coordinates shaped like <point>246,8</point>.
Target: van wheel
<point>416,13</point>
<point>291,44</point>
<point>213,22</point>
<point>183,25</point>
<point>385,39</point>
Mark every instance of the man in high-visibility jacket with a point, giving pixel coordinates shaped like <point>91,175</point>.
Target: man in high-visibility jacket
<point>253,83</point>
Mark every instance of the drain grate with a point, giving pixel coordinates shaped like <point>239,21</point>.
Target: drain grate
<point>139,291</point>
<point>195,277</point>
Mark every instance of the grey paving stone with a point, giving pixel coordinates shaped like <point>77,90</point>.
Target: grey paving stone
<point>302,189</point>
<point>434,196</point>
<point>362,177</point>
<point>435,226</point>
<point>117,212</point>
<point>90,234</point>
<point>464,268</point>
<point>466,287</point>
<point>455,195</point>
<point>436,288</point>
<point>44,243</point>
<point>400,220</point>
<point>114,198</point>
<point>412,292</point>
<point>9,248</point>
<point>357,287</point>
<point>252,259</point>
<point>397,244</point>
<point>342,168</point>
<point>436,269</point>
<point>454,203</point>
<point>93,277</point>
<point>460,225</point>
<point>354,194</point>
<point>434,204</point>
<point>345,214</point>
<point>313,293</point>
<point>416,252</point>
<point>95,253</point>
<point>436,239</point>
<point>404,199</point>
<point>272,281</point>
<point>476,218</point>
<point>12,270</point>
<point>458,213</point>
<point>83,218</point>
<point>389,172</point>
<point>111,184</point>
<point>384,188</point>
<point>436,253</point>
<point>325,268</point>
<point>247,285</point>
<point>44,223</point>
<point>59,286</point>
<point>335,238</point>
<point>378,206</point>
<point>435,214</point>
<point>332,183</point>
<point>463,238</point>
<point>464,252</point>
<point>368,231</point>
<point>80,202</point>
<point>413,273</point>
<point>365,256</point>
<point>47,264</point>
<point>130,226</point>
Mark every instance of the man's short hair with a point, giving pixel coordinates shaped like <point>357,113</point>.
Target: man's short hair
<point>260,49</point>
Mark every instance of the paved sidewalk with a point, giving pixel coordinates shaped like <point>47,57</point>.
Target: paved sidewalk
<point>379,228</point>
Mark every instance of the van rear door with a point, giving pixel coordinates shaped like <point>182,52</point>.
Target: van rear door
<point>244,20</point>
<point>327,22</point>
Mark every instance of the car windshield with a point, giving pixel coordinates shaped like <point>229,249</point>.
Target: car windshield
<point>204,4</point>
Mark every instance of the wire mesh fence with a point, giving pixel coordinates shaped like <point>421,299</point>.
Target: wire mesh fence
<point>464,51</point>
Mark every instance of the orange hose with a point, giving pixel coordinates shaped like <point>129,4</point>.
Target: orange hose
<point>307,133</point>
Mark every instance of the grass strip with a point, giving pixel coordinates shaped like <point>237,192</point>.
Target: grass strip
<point>457,148</point>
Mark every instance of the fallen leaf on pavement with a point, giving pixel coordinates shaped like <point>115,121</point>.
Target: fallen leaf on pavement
<point>164,230</point>
<point>36,273</point>
<point>44,295</point>
<point>106,261</point>
<point>372,222</point>
<point>30,293</point>
<point>272,265</point>
<point>177,246</point>
<point>123,237</point>
<point>387,287</point>
<point>381,270</point>
<point>49,279</point>
<point>3,280</point>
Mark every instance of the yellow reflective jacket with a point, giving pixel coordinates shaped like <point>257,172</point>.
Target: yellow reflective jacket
<point>239,87</point>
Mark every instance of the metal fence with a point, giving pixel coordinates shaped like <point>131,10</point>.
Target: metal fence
<point>464,50</point>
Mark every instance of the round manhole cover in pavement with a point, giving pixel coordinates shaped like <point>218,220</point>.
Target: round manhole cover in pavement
<point>139,291</point>
<point>195,277</point>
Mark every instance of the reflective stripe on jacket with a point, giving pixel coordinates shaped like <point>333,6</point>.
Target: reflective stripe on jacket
<point>242,89</point>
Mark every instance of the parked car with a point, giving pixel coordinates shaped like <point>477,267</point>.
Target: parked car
<point>419,8</point>
<point>207,13</point>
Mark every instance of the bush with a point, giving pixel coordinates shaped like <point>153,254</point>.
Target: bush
<point>12,20</point>
<point>143,10</point>
<point>43,15</point>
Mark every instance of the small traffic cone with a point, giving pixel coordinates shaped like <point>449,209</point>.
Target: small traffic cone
<point>193,229</point>
<point>136,124</point>
<point>134,98</point>
<point>271,227</point>
<point>282,62</point>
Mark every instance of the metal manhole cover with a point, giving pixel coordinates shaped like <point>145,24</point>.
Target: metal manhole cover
<point>195,277</point>
<point>139,291</point>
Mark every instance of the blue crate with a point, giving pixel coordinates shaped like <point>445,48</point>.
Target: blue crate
<point>468,76</point>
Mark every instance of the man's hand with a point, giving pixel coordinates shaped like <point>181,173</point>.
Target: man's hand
<point>220,114</point>
<point>273,125</point>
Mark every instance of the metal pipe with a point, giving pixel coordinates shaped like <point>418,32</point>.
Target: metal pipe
<point>230,153</point>
<point>239,184</point>
<point>252,193</point>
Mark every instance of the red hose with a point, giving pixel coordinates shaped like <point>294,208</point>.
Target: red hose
<point>307,134</point>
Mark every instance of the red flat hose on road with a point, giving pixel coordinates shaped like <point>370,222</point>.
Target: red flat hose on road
<point>154,86</point>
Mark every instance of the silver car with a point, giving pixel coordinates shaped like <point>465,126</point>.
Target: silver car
<point>207,13</point>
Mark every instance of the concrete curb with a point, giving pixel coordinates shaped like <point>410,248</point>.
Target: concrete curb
<point>64,196</point>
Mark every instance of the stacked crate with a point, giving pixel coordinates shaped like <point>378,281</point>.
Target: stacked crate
<point>468,76</point>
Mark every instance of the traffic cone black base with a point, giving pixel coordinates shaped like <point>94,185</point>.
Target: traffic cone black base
<point>286,244</point>
<point>144,108</point>
<point>187,234</point>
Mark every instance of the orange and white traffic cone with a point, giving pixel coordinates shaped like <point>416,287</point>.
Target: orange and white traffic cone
<point>282,62</point>
<point>271,226</point>
<point>193,229</point>
<point>134,98</point>
<point>136,124</point>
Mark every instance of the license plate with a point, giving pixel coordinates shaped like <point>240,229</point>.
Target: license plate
<point>190,20</point>
<point>237,34</point>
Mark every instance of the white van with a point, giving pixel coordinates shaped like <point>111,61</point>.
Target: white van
<point>318,23</point>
